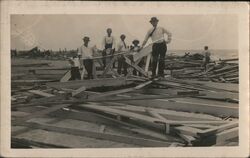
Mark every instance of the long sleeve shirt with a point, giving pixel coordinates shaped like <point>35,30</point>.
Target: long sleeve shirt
<point>108,40</point>
<point>86,52</point>
<point>121,46</point>
<point>157,36</point>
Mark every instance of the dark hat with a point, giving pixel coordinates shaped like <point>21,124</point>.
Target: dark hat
<point>153,19</point>
<point>136,41</point>
<point>86,38</point>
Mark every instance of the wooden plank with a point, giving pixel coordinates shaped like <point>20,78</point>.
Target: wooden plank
<point>189,139</point>
<point>102,128</point>
<point>78,91</point>
<point>117,138</point>
<point>109,66</point>
<point>228,134</point>
<point>169,113</point>
<point>139,69</point>
<point>66,76</point>
<point>155,114</point>
<point>39,113</point>
<point>144,52</point>
<point>187,131</point>
<point>218,129</point>
<point>211,108</point>
<point>120,112</point>
<point>149,56</point>
<point>119,91</point>
<point>94,71</point>
<point>41,93</point>
<point>90,83</point>
<point>16,142</point>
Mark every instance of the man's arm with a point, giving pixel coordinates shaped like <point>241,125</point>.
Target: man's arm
<point>79,53</point>
<point>114,43</point>
<point>169,35</point>
<point>145,39</point>
<point>103,43</point>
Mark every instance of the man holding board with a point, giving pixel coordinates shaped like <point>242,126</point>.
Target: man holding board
<point>159,47</point>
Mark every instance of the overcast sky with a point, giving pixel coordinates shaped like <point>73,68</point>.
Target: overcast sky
<point>66,31</point>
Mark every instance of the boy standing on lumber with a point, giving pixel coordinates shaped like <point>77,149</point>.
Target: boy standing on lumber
<point>206,59</point>
<point>122,47</point>
<point>86,54</point>
<point>75,72</point>
<point>159,47</point>
<point>135,49</point>
<point>108,44</point>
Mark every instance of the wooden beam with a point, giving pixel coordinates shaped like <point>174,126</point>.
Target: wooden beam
<point>41,93</point>
<point>119,91</point>
<point>231,124</point>
<point>30,143</point>
<point>66,76</point>
<point>149,56</point>
<point>39,113</point>
<point>187,131</point>
<point>78,91</point>
<point>139,69</point>
<point>189,139</point>
<point>90,83</point>
<point>120,112</point>
<point>227,134</point>
<point>144,52</point>
<point>109,66</point>
<point>97,135</point>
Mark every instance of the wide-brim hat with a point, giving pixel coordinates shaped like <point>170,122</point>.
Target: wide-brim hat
<point>136,41</point>
<point>86,38</point>
<point>153,19</point>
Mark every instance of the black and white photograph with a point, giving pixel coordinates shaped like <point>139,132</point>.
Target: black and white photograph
<point>126,80</point>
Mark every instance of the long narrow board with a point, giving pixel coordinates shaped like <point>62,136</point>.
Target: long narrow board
<point>90,83</point>
<point>144,52</point>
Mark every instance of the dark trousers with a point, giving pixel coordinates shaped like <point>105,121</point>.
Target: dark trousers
<point>88,64</point>
<point>122,65</point>
<point>75,73</point>
<point>158,54</point>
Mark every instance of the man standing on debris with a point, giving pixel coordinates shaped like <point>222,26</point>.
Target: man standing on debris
<point>108,44</point>
<point>86,54</point>
<point>122,47</point>
<point>206,59</point>
<point>159,47</point>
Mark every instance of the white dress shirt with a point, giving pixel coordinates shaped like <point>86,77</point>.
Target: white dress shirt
<point>121,46</point>
<point>108,40</point>
<point>86,52</point>
<point>158,34</point>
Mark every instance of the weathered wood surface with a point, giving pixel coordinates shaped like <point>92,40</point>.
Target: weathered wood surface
<point>90,83</point>
<point>112,137</point>
<point>217,109</point>
<point>144,52</point>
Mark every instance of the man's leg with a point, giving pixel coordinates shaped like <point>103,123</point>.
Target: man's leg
<point>155,54</point>
<point>162,50</point>
<point>119,68</point>
<point>104,58</point>
<point>125,66</point>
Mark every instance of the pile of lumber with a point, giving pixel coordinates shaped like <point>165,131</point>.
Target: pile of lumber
<point>133,112</point>
<point>226,71</point>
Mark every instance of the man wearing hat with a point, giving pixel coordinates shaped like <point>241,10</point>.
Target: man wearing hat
<point>122,47</point>
<point>159,47</point>
<point>108,44</point>
<point>86,54</point>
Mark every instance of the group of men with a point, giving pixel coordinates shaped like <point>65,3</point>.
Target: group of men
<point>110,47</point>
